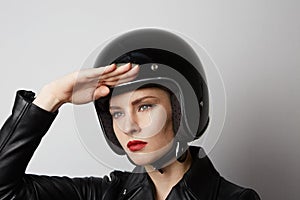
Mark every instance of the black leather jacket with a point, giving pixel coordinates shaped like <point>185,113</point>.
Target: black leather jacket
<point>22,133</point>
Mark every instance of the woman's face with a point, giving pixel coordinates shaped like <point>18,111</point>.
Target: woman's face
<point>142,122</point>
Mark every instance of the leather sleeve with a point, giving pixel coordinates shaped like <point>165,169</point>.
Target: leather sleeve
<point>19,138</point>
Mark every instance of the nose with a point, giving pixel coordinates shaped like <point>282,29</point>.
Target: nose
<point>129,125</point>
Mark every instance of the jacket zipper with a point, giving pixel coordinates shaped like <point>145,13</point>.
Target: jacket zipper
<point>125,193</point>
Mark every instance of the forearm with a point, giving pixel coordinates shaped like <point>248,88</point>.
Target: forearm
<point>46,100</point>
<point>19,138</point>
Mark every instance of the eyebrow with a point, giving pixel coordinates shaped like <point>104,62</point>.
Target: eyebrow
<point>141,99</point>
<point>137,101</point>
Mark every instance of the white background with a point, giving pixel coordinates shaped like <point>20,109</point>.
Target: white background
<point>255,44</point>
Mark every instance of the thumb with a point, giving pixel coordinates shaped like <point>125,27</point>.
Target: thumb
<point>101,91</point>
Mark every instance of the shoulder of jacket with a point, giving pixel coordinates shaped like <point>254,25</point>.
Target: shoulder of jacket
<point>229,190</point>
<point>116,175</point>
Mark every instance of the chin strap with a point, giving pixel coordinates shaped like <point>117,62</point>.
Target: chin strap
<point>183,156</point>
<point>177,150</point>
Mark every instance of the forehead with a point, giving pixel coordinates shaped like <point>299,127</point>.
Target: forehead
<point>130,96</point>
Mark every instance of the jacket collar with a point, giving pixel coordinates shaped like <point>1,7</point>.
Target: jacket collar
<point>201,180</point>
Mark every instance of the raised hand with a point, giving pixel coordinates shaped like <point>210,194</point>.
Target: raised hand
<point>84,86</point>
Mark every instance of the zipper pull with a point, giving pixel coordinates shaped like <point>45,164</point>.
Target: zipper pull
<point>124,191</point>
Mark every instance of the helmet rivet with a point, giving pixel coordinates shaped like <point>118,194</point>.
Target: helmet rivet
<point>154,67</point>
<point>201,103</point>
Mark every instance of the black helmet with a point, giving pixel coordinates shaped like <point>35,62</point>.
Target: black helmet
<point>166,61</point>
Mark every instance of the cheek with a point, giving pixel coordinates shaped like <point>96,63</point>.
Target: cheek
<point>153,122</point>
<point>120,135</point>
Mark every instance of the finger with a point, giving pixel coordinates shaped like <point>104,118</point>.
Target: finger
<point>94,73</point>
<point>120,70</point>
<point>108,69</point>
<point>119,81</point>
<point>100,71</point>
<point>132,72</point>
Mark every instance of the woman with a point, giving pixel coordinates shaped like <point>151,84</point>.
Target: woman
<point>149,109</point>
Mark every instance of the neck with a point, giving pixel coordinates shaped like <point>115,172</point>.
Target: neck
<point>171,175</point>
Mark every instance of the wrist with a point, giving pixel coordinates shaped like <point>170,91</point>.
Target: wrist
<point>47,101</point>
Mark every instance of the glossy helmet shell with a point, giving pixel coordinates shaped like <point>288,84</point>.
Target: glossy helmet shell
<point>167,61</point>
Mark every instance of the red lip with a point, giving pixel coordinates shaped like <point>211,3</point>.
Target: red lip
<point>136,145</point>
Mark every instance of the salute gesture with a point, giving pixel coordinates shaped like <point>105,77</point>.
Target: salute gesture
<point>84,86</point>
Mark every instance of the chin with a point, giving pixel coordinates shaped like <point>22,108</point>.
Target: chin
<point>143,158</point>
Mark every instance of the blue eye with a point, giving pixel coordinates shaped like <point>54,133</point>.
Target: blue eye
<point>116,115</point>
<point>145,107</point>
